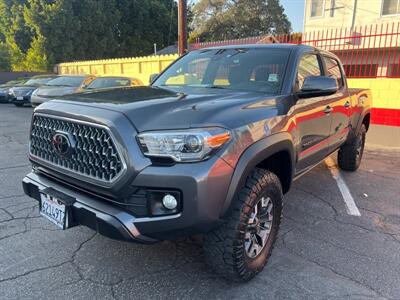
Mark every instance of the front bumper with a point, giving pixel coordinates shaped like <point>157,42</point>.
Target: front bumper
<point>24,100</point>
<point>4,98</point>
<point>203,193</point>
<point>37,100</point>
<point>97,215</point>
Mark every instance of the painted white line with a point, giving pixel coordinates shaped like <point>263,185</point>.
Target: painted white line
<point>351,206</point>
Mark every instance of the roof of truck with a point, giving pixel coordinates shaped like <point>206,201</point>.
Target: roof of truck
<point>294,47</point>
<point>276,46</point>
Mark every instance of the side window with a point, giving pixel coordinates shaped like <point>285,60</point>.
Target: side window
<point>317,8</point>
<point>333,70</point>
<point>309,66</point>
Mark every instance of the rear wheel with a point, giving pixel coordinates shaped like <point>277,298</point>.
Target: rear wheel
<point>351,153</point>
<point>240,249</point>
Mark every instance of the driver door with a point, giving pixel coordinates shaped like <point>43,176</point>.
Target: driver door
<point>312,118</point>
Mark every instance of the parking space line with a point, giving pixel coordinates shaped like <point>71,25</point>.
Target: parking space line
<point>351,206</point>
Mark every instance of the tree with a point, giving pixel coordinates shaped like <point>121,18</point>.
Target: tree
<point>13,31</point>
<point>36,58</point>
<point>145,22</point>
<point>40,33</point>
<point>5,59</point>
<point>94,29</point>
<point>231,19</point>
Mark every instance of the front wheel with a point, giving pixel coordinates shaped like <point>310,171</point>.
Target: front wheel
<point>240,249</point>
<point>351,153</point>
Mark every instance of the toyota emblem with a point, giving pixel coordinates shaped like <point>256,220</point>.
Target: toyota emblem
<point>63,143</point>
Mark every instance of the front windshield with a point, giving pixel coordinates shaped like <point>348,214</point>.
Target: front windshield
<point>242,69</point>
<point>38,81</point>
<point>101,83</point>
<point>72,81</point>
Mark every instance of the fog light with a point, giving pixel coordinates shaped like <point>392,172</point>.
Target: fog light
<point>169,202</point>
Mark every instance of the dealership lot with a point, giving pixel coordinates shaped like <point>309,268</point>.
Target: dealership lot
<point>322,252</point>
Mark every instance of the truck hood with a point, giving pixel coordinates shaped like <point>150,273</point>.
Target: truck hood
<point>152,108</point>
<point>55,91</point>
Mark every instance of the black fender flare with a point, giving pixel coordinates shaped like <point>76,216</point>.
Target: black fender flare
<point>355,130</point>
<point>362,116</point>
<point>254,155</point>
<point>366,111</point>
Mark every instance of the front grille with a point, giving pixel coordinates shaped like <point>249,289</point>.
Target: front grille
<point>93,154</point>
<point>19,93</point>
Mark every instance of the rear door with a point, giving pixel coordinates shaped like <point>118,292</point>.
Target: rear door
<point>340,104</point>
<point>312,120</point>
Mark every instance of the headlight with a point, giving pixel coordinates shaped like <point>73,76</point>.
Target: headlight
<point>184,145</point>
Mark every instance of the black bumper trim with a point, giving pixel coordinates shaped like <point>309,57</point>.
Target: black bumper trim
<point>108,223</point>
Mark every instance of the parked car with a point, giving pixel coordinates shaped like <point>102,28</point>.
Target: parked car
<point>21,94</point>
<point>209,148</point>
<point>60,86</point>
<point>112,82</point>
<point>5,88</point>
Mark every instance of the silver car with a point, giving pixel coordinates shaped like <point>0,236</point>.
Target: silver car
<point>61,86</point>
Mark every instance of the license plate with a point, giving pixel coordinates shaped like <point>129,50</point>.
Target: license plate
<point>54,210</point>
<point>20,98</point>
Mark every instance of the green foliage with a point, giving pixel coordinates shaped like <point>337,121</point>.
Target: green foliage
<point>231,19</point>
<point>39,33</point>
<point>5,59</point>
<point>36,59</point>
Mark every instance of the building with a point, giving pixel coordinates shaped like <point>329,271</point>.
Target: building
<point>365,34</point>
<point>332,14</point>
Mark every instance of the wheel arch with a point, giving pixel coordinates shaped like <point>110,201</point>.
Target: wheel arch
<point>274,153</point>
<point>366,120</point>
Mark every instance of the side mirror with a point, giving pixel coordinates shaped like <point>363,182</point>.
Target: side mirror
<point>153,77</point>
<point>316,86</point>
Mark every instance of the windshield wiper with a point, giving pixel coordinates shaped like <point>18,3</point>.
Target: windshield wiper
<point>216,87</point>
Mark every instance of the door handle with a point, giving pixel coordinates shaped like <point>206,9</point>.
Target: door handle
<point>328,110</point>
<point>347,104</point>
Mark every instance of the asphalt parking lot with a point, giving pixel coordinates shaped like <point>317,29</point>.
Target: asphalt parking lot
<point>322,252</point>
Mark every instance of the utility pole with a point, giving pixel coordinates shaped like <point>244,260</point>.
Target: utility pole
<point>353,21</point>
<point>182,26</point>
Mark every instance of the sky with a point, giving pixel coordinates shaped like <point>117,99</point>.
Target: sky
<point>294,9</point>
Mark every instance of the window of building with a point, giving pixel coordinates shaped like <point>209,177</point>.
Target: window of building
<point>361,71</point>
<point>317,8</point>
<point>309,66</point>
<point>394,70</point>
<point>333,70</point>
<point>390,7</point>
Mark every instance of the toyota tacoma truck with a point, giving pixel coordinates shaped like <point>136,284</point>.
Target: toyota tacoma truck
<point>209,148</point>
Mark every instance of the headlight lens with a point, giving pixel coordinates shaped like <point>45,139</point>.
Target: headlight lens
<point>184,145</point>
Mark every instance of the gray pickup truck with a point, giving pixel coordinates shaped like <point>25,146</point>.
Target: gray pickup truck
<point>210,148</point>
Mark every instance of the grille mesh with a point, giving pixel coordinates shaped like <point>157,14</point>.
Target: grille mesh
<point>95,154</point>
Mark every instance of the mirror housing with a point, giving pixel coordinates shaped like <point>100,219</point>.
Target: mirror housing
<point>317,86</point>
<point>153,77</point>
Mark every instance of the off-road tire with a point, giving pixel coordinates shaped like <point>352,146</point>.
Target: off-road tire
<point>224,247</point>
<point>351,153</point>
